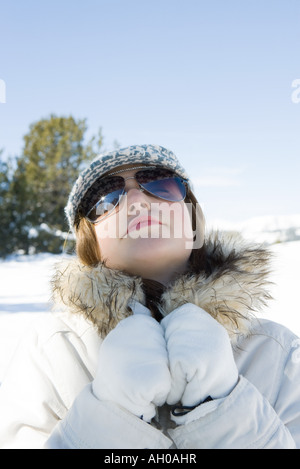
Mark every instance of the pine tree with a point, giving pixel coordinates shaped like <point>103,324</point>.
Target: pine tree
<point>54,153</point>
<point>6,228</point>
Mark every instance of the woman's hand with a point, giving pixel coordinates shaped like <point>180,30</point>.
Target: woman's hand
<point>133,366</point>
<point>200,356</point>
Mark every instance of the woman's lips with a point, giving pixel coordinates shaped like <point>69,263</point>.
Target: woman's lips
<point>141,222</point>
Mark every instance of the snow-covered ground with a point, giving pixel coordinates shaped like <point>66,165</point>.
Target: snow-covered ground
<point>25,283</point>
<point>24,296</point>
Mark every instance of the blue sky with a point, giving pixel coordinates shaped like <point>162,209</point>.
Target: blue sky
<point>209,79</point>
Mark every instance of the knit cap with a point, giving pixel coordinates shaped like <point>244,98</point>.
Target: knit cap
<point>145,154</point>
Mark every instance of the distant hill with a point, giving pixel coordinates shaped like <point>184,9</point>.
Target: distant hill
<point>267,229</point>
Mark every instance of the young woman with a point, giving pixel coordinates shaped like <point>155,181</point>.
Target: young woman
<point>156,345</point>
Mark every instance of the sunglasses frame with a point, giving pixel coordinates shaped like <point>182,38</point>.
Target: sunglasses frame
<point>102,217</point>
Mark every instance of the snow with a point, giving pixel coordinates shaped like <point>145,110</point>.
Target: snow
<point>25,282</point>
<point>269,229</point>
<point>24,296</point>
<point>285,308</point>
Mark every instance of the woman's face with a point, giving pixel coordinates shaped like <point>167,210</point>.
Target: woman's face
<point>145,235</point>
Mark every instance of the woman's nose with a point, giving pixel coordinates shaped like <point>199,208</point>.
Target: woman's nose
<point>136,200</point>
<point>138,206</point>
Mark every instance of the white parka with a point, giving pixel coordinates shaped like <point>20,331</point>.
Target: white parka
<point>46,399</point>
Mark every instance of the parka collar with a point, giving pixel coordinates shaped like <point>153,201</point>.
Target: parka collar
<point>232,292</point>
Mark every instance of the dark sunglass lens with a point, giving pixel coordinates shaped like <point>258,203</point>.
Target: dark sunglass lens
<point>108,193</point>
<point>111,184</point>
<point>107,204</point>
<point>171,189</point>
<point>150,175</point>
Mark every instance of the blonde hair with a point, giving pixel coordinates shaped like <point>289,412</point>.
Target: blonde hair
<point>87,247</point>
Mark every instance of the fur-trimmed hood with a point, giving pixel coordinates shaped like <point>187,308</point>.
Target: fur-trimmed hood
<point>232,292</point>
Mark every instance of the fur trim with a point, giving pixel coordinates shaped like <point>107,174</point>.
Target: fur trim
<point>99,293</point>
<point>233,287</point>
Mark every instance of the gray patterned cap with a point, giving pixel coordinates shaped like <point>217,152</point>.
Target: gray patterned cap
<point>146,154</point>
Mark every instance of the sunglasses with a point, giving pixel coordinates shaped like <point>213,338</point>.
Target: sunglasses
<point>107,192</point>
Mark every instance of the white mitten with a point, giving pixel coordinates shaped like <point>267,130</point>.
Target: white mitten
<point>133,366</point>
<point>200,356</point>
